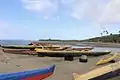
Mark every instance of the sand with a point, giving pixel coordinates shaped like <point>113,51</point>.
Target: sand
<point>64,69</point>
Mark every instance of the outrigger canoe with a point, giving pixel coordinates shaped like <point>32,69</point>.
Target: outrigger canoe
<point>85,49</point>
<point>103,73</point>
<point>27,46</point>
<point>20,51</point>
<point>106,60</point>
<point>38,74</point>
<point>44,52</point>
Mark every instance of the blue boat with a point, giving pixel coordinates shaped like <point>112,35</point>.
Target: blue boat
<point>38,74</point>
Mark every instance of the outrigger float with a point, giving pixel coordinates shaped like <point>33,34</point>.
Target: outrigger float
<point>74,53</point>
<point>38,74</point>
<point>103,73</point>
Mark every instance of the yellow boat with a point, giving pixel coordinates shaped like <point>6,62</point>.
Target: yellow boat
<point>27,46</point>
<point>62,53</point>
<point>107,59</point>
<point>102,73</point>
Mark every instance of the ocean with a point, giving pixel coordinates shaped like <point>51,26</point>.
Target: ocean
<point>14,42</point>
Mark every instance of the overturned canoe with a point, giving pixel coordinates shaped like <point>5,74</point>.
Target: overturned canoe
<point>107,59</point>
<point>43,52</point>
<point>103,73</point>
<point>27,46</point>
<point>85,49</point>
<point>20,51</point>
<point>38,74</point>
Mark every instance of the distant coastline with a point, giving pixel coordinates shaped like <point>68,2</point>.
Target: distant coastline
<point>112,38</point>
<point>103,41</point>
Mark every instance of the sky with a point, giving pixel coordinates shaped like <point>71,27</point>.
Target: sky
<point>58,19</point>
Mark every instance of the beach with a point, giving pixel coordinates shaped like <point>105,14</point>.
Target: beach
<point>63,71</point>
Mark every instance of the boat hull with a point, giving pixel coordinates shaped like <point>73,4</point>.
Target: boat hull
<point>28,47</point>
<point>107,75</point>
<point>102,73</point>
<point>103,61</point>
<point>81,49</point>
<point>38,74</point>
<point>74,54</point>
<point>20,51</point>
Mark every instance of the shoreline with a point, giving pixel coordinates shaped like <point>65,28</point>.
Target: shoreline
<point>63,71</point>
<point>96,44</point>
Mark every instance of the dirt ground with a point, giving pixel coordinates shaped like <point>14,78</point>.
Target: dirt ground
<point>63,71</point>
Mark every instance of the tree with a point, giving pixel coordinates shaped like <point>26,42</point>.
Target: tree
<point>101,34</point>
<point>119,33</point>
<point>111,34</point>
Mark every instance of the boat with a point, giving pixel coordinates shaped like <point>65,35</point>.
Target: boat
<point>18,47</point>
<point>85,49</point>
<point>45,52</point>
<point>107,59</point>
<point>102,73</point>
<point>37,74</point>
<point>26,46</point>
<point>61,48</point>
<point>20,51</point>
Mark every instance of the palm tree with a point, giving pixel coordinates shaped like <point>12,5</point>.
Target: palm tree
<point>101,34</point>
<point>112,37</point>
<point>107,32</point>
<point>111,34</point>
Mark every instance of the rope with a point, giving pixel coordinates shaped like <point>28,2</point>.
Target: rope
<point>9,59</point>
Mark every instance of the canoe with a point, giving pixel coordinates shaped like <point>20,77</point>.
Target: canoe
<point>102,73</point>
<point>38,74</point>
<point>20,51</point>
<point>80,49</point>
<point>18,47</point>
<point>106,59</point>
<point>43,52</point>
<point>26,47</point>
<point>60,48</point>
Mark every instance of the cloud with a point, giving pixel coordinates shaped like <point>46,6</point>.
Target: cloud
<point>43,7</point>
<point>98,11</point>
<point>111,13</point>
<point>89,10</point>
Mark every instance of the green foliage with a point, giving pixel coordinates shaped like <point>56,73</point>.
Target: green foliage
<point>59,40</point>
<point>114,38</point>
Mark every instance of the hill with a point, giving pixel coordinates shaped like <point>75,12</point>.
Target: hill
<point>112,38</point>
<point>59,40</point>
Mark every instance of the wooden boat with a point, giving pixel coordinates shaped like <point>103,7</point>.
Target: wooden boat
<point>38,74</point>
<point>107,59</point>
<point>27,47</point>
<point>102,73</point>
<point>60,48</point>
<point>80,49</point>
<point>44,52</point>
<point>20,51</point>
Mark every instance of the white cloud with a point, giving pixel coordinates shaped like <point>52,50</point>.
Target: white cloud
<point>100,11</point>
<point>111,13</point>
<point>43,7</point>
<point>87,9</point>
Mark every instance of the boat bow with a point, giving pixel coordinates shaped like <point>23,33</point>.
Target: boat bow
<point>37,74</point>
